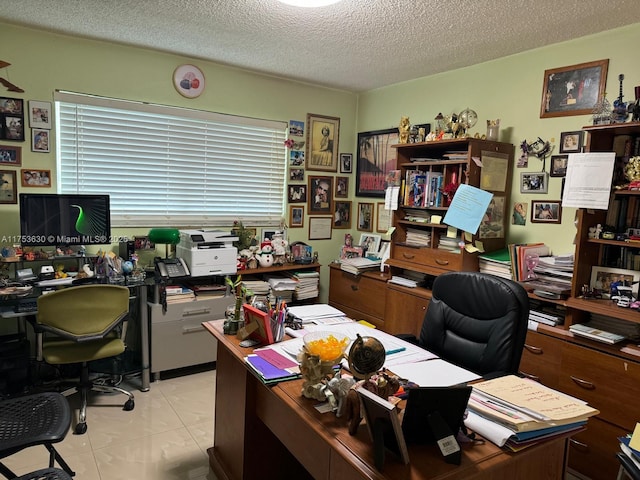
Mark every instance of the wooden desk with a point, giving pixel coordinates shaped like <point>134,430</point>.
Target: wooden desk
<point>274,432</point>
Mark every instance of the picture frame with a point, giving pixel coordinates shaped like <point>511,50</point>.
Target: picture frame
<point>534,182</point>
<point>320,195</point>
<point>302,253</point>
<point>258,323</point>
<point>188,80</point>
<point>370,242</point>
<point>546,211</point>
<point>320,228</point>
<point>13,128</point>
<point>267,234</point>
<point>10,156</point>
<point>558,165</point>
<point>296,175</point>
<point>297,193</point>
<point>365,216</point>
<point>142,242</point>
<point>342,187</point>
<point>296,128</point>
<point>375,157</point>
<point>40,140</point>
<point>603,277</point>
<point>350,252</point>
<point>573,90</point>
<point>8,187</point>
<point>571,142</point>
<point>342,214</point>
<point>40,114</point>
<point>35,178</point>
<point>383,425</point>
<point>11,106</point>
<point>383,218</point>
<point>296,158</point>
<point>346,162</point>
<point>296,216</point>
<point>322,142</point>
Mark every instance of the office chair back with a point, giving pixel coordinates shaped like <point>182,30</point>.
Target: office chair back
<point>477,321</point>
<point>85,312</point>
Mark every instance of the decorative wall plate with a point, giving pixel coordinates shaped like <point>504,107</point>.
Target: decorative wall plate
<point>188,80</point>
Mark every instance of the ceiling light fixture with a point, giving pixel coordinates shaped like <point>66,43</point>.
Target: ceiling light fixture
<point>309,3</point>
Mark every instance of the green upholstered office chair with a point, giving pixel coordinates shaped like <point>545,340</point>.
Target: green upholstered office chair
<point>81,324</point>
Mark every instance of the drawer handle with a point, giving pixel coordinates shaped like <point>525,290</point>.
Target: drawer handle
<point>530,376</point>
<point>442,262</point>
<point>193,329</point>
<point>534,350</point>
<point>408,256</point>
<point>579,445</point>
<point>354,288</point>
<point>202,311</point>
<point>583,383</point>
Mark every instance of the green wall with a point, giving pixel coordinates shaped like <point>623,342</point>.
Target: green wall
<point>510,89</point>
<point>43,62</point>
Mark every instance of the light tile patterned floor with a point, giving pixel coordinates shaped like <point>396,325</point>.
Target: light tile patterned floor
<point>164,438</point>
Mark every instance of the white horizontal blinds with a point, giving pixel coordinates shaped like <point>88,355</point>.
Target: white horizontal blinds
<point>166,166</point>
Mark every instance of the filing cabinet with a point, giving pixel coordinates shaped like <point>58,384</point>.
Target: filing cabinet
<point>177,337</point>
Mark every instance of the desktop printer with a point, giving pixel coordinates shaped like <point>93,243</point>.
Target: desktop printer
<point>208,252</point>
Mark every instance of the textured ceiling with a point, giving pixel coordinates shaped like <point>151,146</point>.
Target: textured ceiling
<point>355,45</point>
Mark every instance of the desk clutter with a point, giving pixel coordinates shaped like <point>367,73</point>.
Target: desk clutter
<point>402,379</point>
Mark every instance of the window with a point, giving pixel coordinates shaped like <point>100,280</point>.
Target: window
<point>168,166</point>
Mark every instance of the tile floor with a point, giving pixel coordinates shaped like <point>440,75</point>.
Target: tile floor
<point>165,437</point>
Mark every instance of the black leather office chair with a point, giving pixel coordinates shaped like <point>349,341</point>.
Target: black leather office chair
<point>477,321</point>
<point>82,324</point>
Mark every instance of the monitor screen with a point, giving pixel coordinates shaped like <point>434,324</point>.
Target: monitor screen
<point>64,219</point>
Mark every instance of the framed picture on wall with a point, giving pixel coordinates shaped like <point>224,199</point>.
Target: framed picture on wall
<point>548,211</point>
<point>346,162</point>
<point>35,178</point>
<point>297,194</point>
<point>342,214</point>
<point>573,90</point>
<point>571,142</point>
<point>320,195</point>
<point>342,187</point>
<point>39,114</point>
<point>39,140</point>
<point>559,165</point>
<point>365,217</point>
<point>534,182</point>
<point>8,187</point>
<point>10,156</point>
<point>374,160</point>
<point>296,216</point>
<point>322,142</point>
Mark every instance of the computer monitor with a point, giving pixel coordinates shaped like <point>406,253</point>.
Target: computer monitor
<point>64,219</point>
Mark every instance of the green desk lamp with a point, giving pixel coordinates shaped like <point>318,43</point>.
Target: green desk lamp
<point>168,236</point>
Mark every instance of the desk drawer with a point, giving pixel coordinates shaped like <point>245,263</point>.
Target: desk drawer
<point>593,452</point>
<point>541,358</point>
<point>608,383</point>
<point>430,257</point>
<point>195,311</point>
<point>361,293</point>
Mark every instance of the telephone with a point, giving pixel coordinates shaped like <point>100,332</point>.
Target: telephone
<point>171,267</point>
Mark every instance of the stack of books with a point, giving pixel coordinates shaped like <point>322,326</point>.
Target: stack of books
<point>549,314</point>
<point>630,453</point>
<point>409,279</point>
<point>496,263</point>
<point>179,293</point>
<point>271,367</point>
<point>450,244</point>
<point>281,287</point>
<point>357,265</point>
<point>516,412</point>
<point>307,284</point>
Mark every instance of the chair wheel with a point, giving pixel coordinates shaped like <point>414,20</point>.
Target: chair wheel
<point>129,405</point>
<point>81,428</point>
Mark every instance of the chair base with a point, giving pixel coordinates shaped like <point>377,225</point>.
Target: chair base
<point>46,474</point>
<point>87,385</point>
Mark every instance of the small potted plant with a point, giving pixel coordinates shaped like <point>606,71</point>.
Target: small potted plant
<point>234,317</point>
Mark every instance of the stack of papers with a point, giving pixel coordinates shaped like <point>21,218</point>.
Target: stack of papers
<point>282,288</point>
<point>258,287</point>
<point>518,412</point>
<point>318,313</point>
<point>307,284</point>
<point>405,282</point>
<point>496,263</point>
<point>272,367</point>
<point>588,331</point>
<point>418,238</point>
<point>357,265</point>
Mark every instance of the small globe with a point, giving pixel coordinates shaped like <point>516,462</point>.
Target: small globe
<point>468,118</point>
<point>127,267</point>
<point>366,356</point>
